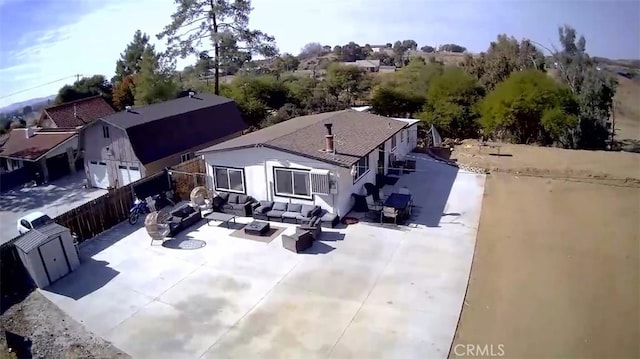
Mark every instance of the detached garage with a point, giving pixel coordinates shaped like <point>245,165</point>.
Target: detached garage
<point>48,253</point>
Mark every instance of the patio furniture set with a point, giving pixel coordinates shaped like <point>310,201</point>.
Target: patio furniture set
<point>396,206</point>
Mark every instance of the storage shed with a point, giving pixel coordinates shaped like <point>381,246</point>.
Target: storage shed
<point>48,253</point>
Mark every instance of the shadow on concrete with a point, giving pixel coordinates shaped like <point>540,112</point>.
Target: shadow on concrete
<point>319,248</point>
<point>19,345</point>
<point>89,277</point>
<point>104,240</point>
<point>331,236</point>
<point>65,190</point>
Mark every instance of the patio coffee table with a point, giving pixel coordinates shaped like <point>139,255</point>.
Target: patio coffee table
<point>257,228</point>
<point>222,217</point>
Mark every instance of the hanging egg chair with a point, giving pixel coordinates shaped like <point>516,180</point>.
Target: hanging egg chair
<point>201,198</point>
<point>156,225</point>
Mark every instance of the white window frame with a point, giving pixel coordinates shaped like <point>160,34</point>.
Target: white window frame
<point>364,172</point>
<point>292,171</point>
<point>394,142</point>
<point>185,157</point>
<point>228,169</point>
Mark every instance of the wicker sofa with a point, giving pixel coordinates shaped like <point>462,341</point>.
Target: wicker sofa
<point>285,212</point>
<point>232,203</point>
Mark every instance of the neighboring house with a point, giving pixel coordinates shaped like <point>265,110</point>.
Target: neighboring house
<point>378,48</point>
<point>128,145</point>
<point>317,159</point>
<point>28,154</point>
<point>75,114</point>
<point>368,65</point>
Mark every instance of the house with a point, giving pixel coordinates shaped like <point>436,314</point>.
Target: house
<point>75,114</point>
<point>317,159</point>
<point>368,65</point>
<point>28,154</point>
<point>378,48</point>
<point>128,145</point>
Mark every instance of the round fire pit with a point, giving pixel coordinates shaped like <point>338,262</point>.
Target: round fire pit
<point>350,220</point>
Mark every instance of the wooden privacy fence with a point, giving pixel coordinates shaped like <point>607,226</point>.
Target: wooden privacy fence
<point>188,175</point>
<point>102,213</point>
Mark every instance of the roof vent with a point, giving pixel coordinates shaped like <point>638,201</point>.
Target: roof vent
<point>75,111</point>
<point>191,94</point>
<point>127,108</point>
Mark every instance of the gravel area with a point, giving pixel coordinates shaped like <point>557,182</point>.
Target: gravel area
<point>52,333</point>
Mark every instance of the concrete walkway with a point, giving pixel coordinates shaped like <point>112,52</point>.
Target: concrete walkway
<point>363,291</point>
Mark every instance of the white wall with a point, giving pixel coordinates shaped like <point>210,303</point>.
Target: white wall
<point>72,143</point>
<point>258,164</point>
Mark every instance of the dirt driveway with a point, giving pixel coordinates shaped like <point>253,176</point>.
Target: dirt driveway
<point>53,199</point>
<point>556,272</point>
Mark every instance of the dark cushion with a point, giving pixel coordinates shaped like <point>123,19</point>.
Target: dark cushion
<point>262,209</point>
<point>307,210</point>
<point>233,198</point>
<point>279,206</point>
<point>294,207</point>
<point>228,206</point>
<point>218,202</point>
<point>290,214</point>
<point>274,213</point>
<point>267,204</point>
<point>224,196</point>
<point>243,199</point>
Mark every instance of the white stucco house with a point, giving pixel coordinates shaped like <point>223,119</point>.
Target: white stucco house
<point>316,159</point>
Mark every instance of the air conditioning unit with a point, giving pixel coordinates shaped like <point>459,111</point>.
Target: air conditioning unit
<point>320,181</point>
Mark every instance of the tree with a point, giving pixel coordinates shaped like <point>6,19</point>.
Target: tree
<point>409,45</point>
<point>451,100</point>
<point>27,110</point>
<point>345,82</point>
<point>594,89</point>
<point>312,49</point>
<point>428,49</point>
<point>337,50</point>
<point>393,102</point>
<point>352,52</point>
<point>285,63</point>
<point>504,56</point>
<point>123,93</point>
<point>530,107</point>
<point>413,78</point>
<point>452,48</point>
<point>129,62</point>
<point>154,83</point>
<point>86,87</point>
<point>225,23</point>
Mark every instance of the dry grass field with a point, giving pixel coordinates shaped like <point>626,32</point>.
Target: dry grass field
<point>627,109</point>
<point>556,272</point>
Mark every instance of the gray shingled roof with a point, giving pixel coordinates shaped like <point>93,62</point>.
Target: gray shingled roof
<point>356,134</point>
<point>35,237</point>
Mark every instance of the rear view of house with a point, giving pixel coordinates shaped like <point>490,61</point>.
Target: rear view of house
<point>126,146</point>
<point>316,160</point>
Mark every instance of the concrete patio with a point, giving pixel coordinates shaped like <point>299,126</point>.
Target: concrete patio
<point>367,290</point>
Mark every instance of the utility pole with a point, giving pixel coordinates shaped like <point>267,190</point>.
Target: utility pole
<point>78,77</point>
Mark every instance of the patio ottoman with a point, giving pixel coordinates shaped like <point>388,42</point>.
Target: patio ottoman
<point>257,228</point>
<point>329,220</point>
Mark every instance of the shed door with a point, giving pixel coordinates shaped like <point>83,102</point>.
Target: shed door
<point>54,259</point>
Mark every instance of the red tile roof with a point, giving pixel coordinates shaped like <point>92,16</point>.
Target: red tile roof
<point>86,110</point>
<point>19,146</point>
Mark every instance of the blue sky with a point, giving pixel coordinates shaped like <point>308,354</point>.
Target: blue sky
<point>46,40</point>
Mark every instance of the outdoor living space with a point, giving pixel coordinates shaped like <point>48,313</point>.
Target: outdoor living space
<point>363,290</point>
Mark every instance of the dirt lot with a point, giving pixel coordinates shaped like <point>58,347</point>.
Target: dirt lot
<point>556,271</point>
<point>50,333</point>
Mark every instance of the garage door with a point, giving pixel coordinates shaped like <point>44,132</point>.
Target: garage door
<point>54,260</point>
<point>98,174</point>
<point>129,174</point>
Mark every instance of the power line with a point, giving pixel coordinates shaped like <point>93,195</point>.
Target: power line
<point>41,85</point>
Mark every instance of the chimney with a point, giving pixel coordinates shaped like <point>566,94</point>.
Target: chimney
<point>191,93</point>
<point>28,132</point>
<point>127,108</point>
<point>329,145</point>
